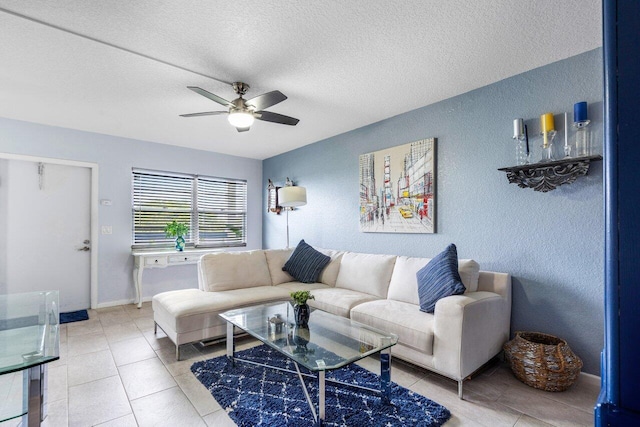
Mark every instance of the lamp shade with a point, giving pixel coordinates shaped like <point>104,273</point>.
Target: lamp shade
<point>292,196</point>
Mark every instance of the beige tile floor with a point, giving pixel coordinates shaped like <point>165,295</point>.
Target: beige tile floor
<point>113,371</point>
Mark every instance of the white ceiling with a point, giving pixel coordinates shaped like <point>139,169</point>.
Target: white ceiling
<point>343,64</point>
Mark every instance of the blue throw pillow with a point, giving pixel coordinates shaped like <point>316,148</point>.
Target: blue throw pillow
<point>305,263</point>
<point>439,279</point>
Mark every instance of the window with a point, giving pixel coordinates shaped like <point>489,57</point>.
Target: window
<point>214,208</point>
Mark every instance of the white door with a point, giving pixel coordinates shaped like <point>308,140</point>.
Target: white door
<point>48,231</point>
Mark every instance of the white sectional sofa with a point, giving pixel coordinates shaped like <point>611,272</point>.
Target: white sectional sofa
<point>464,332</point>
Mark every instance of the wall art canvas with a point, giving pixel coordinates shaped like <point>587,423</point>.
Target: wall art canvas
<point>397,189</point>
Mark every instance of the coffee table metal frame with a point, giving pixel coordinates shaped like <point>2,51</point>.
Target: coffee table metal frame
<point>383,346</point>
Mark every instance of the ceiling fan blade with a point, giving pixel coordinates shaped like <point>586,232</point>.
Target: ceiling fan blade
<point>266,100</point>
<point>242,129</point>
<point>268,116</point>
<point>211,96</point>
<point>208,113</point>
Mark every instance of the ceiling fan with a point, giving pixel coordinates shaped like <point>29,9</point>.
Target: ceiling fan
<point>242,112</point>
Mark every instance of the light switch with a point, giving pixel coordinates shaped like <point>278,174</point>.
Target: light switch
<point>107,229</point>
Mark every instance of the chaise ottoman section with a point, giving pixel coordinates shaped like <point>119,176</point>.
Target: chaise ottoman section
<point>190,315</point>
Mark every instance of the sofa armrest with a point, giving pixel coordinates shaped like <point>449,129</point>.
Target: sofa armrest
<point>469,330</point>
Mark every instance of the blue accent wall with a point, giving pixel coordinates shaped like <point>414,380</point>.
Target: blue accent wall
<point>551,243</point>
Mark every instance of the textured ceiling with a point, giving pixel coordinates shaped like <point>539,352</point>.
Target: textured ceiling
<point>343,64</point>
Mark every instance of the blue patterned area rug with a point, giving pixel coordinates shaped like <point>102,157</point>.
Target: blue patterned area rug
<point>258,396</point>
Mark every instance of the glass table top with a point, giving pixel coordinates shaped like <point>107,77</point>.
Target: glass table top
<point>329,342</point>
<point>29,330</point>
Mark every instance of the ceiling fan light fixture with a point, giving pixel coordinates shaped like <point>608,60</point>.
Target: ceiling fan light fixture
<point>241,119</point>
<point>241,113</point>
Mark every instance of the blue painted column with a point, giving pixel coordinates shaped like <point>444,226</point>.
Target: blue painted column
<point>618,404</point>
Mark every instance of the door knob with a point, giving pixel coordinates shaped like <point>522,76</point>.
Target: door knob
<point>84,249</point>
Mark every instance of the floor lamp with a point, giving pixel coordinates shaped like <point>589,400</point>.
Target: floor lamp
<point>289,197</point>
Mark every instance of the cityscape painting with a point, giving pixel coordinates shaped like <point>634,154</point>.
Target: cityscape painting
<point>397,189</point>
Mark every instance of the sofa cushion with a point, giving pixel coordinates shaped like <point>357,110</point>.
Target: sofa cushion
<point>469,271</point>
<point>330,272</point>
<point>439,279</point>
<point>275,260</point>
<point>413,327</point>
<point>404,283</point>
<point>222,271</point>
<point>306,263</point>
<point>338,301</point>
<point>366,273</point>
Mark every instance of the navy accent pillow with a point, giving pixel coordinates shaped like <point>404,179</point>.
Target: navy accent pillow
<point>439,279</point>
<point>305,263</point>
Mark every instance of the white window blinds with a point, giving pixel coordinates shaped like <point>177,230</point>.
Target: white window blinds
<point>222,212</point>
<point>214,208</point>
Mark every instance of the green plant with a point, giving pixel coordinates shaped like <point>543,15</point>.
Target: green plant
<point>176,229</point>
<point>301,297</point>
<point>235,230</point>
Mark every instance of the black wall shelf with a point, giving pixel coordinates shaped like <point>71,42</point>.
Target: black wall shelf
<point>549,175</point>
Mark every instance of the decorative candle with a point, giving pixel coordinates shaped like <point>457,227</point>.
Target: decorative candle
<point>546,122</point>
<point>580,112</point>
<point>546,125</point>
<point>518,128</point>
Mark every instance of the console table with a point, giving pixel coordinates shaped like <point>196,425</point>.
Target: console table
<point>29,339</point>
<point>162,259</point>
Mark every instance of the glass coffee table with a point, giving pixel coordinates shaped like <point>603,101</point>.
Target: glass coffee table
<point>342,340</point>
<point>29,339</point>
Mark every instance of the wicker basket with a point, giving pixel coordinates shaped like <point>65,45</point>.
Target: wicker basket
<point>542,361</point>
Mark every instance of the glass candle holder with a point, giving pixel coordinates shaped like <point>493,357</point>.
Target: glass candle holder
<point>522,143</point>
<point>547,146</point>
<point>522,154</point>
<point>567,147</point>
<point>583,138</point>
<point>548,131</point>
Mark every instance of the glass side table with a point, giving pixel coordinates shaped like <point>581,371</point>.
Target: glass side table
<point>29,339</point>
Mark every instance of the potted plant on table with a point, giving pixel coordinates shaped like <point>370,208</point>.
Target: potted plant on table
<point>178,230</point>
<point>301,308</point>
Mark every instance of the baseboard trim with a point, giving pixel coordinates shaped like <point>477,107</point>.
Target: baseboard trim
<point>591,375</point>
<point>114,303</point>
<point>121,302</point>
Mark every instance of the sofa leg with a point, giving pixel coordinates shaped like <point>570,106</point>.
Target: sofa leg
<point>460,388</point>
<point>155,328</point>
<point>177,352</point>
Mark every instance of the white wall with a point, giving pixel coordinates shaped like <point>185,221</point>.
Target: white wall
<point>4,184</point>
<point>115,157</point>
